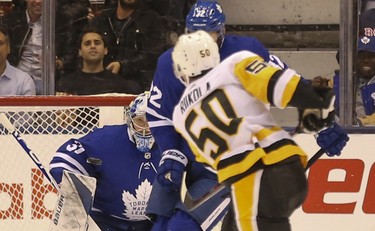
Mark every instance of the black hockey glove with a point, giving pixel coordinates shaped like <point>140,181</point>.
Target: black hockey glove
<point>314,120</point>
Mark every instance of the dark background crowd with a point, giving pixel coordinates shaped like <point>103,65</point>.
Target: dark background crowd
<point>134,32</point>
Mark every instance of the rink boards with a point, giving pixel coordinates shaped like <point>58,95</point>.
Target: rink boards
<point>341,193</point>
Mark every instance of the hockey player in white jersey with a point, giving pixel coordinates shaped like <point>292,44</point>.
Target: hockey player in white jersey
<point>123,159</point>
<point>224,116</point>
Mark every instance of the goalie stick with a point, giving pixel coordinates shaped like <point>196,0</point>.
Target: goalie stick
<point>11,129</point>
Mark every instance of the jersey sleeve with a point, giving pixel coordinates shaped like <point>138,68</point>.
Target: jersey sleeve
<point>276,86</point>
<point>71,156</point>
<point>268,83</point>
<point>165,93</point>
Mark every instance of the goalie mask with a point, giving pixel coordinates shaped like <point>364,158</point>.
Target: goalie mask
<point>137,123</point>
<point>207,16</point>
<point>193,54</point>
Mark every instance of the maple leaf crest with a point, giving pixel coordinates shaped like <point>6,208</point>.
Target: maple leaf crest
<point>135,205</point>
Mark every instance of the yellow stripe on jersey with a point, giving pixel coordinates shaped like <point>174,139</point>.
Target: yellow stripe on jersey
<point>289,90</point>
<point>200,158</point>
<point>254,74</point>
<point>265,132</point>
<point>240,167</point>
<point>284,152</point>
<point>245,199</point>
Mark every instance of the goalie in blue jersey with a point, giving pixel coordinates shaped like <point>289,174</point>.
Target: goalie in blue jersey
<point>124,160</point>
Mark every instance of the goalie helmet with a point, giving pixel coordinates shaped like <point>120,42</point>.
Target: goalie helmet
<point>137,123</point>
<point>207,16</point>
<point>193,54</point>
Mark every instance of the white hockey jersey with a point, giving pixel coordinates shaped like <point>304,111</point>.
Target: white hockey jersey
<point>225,115</point>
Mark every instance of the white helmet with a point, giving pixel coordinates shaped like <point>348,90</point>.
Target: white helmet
<point>194,53</point>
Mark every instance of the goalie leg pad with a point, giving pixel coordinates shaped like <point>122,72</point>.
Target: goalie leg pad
<point>74,203</point>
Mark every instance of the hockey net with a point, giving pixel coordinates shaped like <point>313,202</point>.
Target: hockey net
<point>27,199</point>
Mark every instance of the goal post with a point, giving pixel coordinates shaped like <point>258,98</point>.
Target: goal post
<point>27,199</point>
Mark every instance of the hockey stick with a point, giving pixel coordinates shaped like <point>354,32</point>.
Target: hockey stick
<point>221,190</point>
<point>314,158</point>
<point>10,127</point>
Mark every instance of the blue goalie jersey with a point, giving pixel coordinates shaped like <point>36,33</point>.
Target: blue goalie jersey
<point>124,174</point>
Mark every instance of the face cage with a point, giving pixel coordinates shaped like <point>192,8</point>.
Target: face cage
<point>143,143</point>
<point>142,140</point>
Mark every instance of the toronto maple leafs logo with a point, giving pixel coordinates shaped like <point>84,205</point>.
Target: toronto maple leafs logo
<point>135,205</point>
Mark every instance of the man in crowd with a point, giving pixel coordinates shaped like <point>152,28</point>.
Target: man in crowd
<point>136,37</point>
<point>12,80</point>
<point>93,78</point>
<point>26,29</point>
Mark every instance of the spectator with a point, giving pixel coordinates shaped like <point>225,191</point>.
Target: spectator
<point>136,37</point>
<point>25,28</point>
<point>12,80</point>
<point>123,159</point>
<point>365,80</point>
<point>367,5</point>
<point>71,17</point>
<point>26,31</point>
<point>93,78</point>
<point>364,77</point>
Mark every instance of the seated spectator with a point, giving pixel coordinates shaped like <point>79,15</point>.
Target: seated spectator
<point>25,25</point>
<point>364,76</point>
<point>136,37</point>
<point>71,17</point>
<point>93,78</point>
<point>365,81</point>
<point>26,30</point>
<point>12,80</point>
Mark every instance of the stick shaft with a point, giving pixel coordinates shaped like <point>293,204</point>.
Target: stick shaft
<point>10,127</point>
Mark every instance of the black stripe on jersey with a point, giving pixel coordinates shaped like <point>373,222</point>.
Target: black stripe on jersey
<point>233,160</point>
<point>306,97</point>
<point>257,166</point>
<point>279,144</point>
<point>241,156</point>
<point>271,85</point>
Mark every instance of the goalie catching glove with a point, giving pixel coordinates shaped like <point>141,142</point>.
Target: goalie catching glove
<point>171,169</point>
<point>332,140</point>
